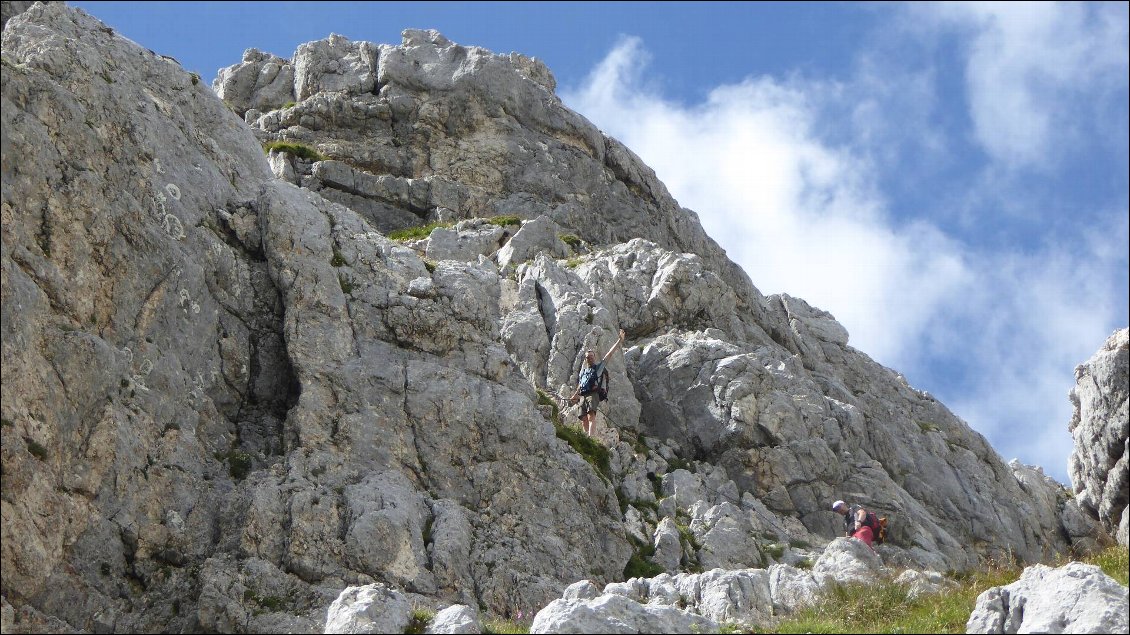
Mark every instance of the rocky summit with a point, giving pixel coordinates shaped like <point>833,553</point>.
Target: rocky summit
<point>243,390</point>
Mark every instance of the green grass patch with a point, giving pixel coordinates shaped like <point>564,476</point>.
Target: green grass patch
<point>545,400</point>
<point>1114,561</point>
<point>420,231</point>
<point>573,263</point>
<point>503,221</point>
<point>239,463</point>
<point>638,564</point>
<point>289,104</point>
<point>346,283</point>
<point>589,448</point>
<point>504,626</point>
<point>572,240</point>
<point>679,463</point>
<point>884,607</point>
<point>927,427</point>
<point>297,149</point>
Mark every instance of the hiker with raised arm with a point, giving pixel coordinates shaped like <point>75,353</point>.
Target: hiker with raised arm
<point>861,523</point>
<point>592,386</point>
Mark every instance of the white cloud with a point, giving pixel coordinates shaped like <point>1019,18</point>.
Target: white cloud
<point>800,216</point>
<point>1034,70</point>
<point>805,216</point>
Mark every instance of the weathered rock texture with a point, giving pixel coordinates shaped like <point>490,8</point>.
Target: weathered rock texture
<point>1099,467</point>
<point>694,603</point>
<point>1075,598</point>
<point>228,395</point>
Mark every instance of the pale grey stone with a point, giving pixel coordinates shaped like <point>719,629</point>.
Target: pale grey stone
<point>1074,598</point>
<point>617,614</point>
<point>458,618</point>
<point>582,590</point>
<point>1099,465</point>
<point>373,608</point>
<point>262,82</point>
<point>537,236</point>
<point>668,546</point>
<point>792,588</point>
<point>848,560</point>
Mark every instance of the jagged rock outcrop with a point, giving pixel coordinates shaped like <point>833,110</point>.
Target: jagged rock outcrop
<point>1099,466</point>
<point>1074,598</point>
<point>692,603</point>
<point>228,394</point>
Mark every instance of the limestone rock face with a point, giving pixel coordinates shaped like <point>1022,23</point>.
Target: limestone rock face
<point>261,82</point>
<point>1099,466</point>
<point>228,395</point>
<point>1074,598</point>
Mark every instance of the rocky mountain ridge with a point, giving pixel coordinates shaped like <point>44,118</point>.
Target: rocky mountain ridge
<point>228,394</point>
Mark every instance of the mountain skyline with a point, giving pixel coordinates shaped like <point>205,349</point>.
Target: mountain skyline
<point>949,181</point>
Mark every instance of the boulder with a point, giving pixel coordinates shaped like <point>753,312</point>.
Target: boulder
<point>1074,598</point>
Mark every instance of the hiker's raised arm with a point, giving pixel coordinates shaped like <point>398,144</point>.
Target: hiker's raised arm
<point>615,346</point>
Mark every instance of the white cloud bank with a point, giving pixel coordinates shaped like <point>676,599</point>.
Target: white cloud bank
<point>1000,331</point>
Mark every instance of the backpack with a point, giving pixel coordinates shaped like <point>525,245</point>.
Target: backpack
<point>602,386</point>
<point>878,524</point>
<point>595,379</point>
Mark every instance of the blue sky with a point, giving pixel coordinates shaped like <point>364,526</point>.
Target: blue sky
<point>949,180</point>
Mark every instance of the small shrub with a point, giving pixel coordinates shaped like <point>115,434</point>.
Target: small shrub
<point>337,260</point>
<point>927,427</point>
<point>239,463</point>
<point>37,450</point>
<point>638,564</point>
<point>572,240</point>
<point>418,621</point>
<point>195,78</point>
<point>289,104</point>
<point>346,284</point>
<point>7,424</point>
<point>297,149</point>
<point>573,263</point>
<point>775,550</point>
<point>679,463</point>
<point>503,221</point>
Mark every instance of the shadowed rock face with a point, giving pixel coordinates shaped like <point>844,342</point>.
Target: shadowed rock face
<point>1098,467</point>
<point>227,394</point>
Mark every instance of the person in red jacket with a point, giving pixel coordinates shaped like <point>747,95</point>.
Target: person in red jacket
<point>857,522</point>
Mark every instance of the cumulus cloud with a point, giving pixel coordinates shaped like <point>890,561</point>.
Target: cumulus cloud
<point>800,216</point>
<point>1035,71</point>
<point>790,183</point>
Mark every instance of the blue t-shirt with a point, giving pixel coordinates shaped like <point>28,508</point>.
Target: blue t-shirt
<point>590,378</point>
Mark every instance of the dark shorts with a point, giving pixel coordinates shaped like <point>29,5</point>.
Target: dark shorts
<point>589,404</point>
